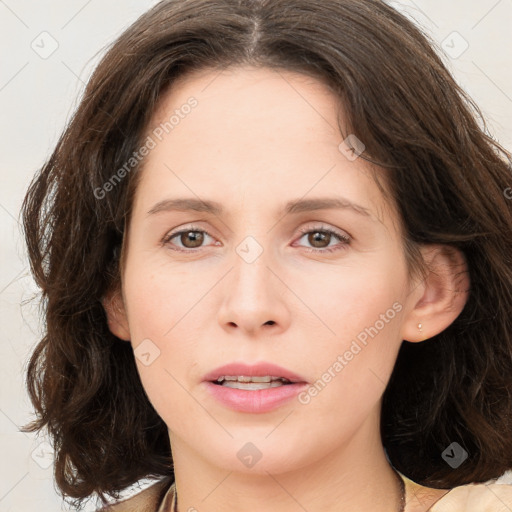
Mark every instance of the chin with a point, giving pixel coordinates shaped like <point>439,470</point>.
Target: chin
<point>259,456</point>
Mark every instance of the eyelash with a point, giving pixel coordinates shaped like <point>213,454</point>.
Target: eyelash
<point>345,240</point>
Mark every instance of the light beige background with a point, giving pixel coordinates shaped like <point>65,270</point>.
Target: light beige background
<point>37,97</point>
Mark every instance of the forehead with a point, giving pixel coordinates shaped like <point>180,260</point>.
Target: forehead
<point>245,88</point>
<point>260,132</point>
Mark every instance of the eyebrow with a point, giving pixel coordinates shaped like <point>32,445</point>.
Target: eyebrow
<point>295,206</point>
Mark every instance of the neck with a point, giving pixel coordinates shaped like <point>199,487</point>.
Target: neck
<point>353,475</point>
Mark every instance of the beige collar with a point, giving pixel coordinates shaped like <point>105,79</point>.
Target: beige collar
<point>169,502</point>
<point>485,497</point>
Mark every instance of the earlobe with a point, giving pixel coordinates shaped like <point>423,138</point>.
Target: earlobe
<point>441,296</point>
<point>116,315</point>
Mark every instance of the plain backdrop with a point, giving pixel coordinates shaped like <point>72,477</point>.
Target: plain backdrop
<point>47,52</point>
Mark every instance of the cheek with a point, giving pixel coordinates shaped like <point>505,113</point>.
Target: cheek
<point>354,300</point>
<point>162,308</point>
<point>355,355</point>
<point>158,297</point>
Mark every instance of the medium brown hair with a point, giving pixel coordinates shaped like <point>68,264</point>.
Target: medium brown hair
<point>446,177</point>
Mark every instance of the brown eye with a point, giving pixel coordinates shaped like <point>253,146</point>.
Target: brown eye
<point>186,239</point>
<point>191,239</point>
<point>320,240</point>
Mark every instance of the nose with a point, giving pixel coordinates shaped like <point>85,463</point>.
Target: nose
<point>254,297</point>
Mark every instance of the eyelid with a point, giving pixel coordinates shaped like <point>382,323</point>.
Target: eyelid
<point>322,227</point>
<point>191,227</point>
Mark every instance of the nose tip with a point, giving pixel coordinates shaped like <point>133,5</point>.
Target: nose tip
<point>253,295</point>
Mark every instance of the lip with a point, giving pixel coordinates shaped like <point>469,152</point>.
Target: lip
<point>255,370</point>
<point>254,401</point>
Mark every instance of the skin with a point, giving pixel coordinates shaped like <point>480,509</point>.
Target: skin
<point>257,139</point>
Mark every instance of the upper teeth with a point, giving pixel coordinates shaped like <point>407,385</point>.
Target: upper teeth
<point>244,378</point>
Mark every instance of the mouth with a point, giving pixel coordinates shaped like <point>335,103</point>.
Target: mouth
<point>253,388</point>
<point>250,383</point>
<point>262,375</point>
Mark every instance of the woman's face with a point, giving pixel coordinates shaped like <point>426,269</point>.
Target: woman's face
<point>257,280</point>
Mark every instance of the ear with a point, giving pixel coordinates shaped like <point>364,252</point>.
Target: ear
<point>439,297</point>
<point>113,305</point>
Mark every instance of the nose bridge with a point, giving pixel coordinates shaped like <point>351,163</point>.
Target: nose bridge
<point>251,276</point>
<point>253,297</point>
